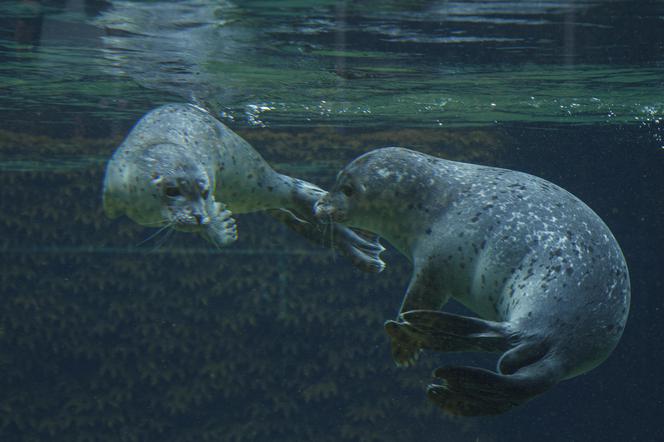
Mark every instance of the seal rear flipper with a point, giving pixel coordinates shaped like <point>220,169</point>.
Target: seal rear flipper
<point>441,331</point>
<point>363,251</point>
<point>473,391</point>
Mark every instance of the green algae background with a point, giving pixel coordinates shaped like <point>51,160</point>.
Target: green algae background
<point>271,339</point>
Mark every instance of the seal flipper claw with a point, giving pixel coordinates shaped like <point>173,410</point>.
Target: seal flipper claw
<point>473,391</point>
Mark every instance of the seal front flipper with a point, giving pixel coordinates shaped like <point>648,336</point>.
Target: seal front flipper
<point>363,250</point>
<point>473,391</point>
<point>221,230</point>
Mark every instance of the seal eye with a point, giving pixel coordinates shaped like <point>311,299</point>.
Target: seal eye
<point>347,190</point>
<point>172,191</point>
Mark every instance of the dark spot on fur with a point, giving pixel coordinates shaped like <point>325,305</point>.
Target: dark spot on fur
<point>428,231</point>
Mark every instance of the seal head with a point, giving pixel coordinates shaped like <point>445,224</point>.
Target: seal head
<point>166,187</point>
<point>379,193</point>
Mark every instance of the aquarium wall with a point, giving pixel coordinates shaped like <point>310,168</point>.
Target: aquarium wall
<point>111,333</point>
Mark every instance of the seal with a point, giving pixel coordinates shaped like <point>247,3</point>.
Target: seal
<point>181,168</point>
<point>541,270</point>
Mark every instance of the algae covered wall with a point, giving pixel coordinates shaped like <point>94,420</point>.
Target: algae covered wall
<point>273,338</point>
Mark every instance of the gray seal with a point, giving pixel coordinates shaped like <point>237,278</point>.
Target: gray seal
<point>541,270</point>
<point>181,168</point>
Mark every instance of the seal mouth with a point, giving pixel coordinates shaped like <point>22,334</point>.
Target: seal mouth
<point>190,222</point>
<point>326,213</point>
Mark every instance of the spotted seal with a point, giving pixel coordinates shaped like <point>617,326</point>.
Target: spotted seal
<point>541,270</point>
<point>180,167</point>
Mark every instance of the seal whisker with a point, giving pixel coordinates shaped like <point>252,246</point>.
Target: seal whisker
<point>157,223</point>
<point>165,237</point>
<point>155,234</point>
<point>331,224</point>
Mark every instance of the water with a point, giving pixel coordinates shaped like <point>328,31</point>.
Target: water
<point>105,338</point>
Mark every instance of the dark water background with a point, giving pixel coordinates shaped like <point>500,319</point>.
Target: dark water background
<point>274,338</point>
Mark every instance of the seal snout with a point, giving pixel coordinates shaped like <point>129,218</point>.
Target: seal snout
<point>201,219</point>
<point>321,210</point>
<point>326,212</point>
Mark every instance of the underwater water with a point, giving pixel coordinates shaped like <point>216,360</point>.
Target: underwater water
<point>107,334</point>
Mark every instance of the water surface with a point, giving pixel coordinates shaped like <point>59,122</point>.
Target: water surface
<point>107,336</point>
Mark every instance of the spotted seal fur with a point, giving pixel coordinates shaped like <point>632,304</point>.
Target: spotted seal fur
<point>180,167</point>
<point>541,270</point>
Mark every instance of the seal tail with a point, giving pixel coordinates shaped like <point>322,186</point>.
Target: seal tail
<point>523,370</point>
